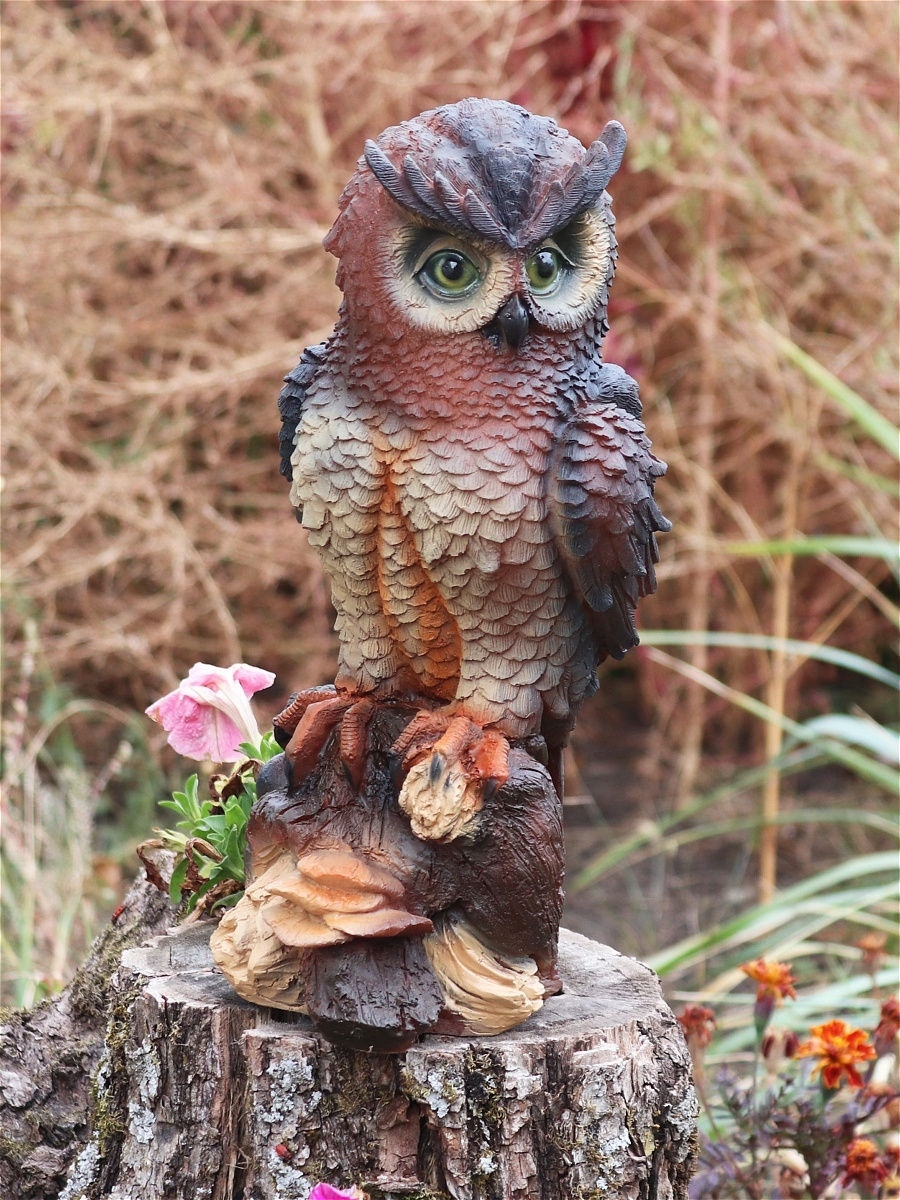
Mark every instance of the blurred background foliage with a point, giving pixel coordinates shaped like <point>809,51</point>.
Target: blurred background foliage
<point>170,169</point>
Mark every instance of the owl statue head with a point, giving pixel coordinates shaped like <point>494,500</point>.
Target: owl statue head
<point>479,219</point>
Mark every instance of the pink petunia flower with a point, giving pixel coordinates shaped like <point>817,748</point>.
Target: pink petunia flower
<point>324,1191</point>
<point>209,715</point>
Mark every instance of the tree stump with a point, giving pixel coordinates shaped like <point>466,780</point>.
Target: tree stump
<point>201,1094</point>
<point>49,1054</point>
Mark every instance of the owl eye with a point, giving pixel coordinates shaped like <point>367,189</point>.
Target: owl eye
<point>544,269</point>
<point>449,273</point>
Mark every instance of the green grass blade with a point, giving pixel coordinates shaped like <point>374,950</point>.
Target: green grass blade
<point>769,933</point>
<point>786,914</point>
<point>798,759</point>
<point>878,740</point>
<point>878,427</point>
<point>758,641</point>
<point>844,545</point>
<point>860,764</point>
<point>754,822</point>
<point>858,475</point>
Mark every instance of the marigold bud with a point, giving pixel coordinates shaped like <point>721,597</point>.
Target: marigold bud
<point>774,982</point>
<point>872,946</point>
<point>698,1023</point>
<point>885,1037</point>
<point>778,1045</point>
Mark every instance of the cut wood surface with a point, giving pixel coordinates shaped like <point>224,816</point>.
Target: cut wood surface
<point>201,1094</point>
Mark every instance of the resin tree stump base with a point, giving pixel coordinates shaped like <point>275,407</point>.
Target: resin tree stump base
<point>202,1094</point>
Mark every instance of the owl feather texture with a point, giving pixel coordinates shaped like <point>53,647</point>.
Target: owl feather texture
<point>477,482</point>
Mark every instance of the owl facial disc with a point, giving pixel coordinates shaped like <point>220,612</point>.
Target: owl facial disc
<point>478,218</point>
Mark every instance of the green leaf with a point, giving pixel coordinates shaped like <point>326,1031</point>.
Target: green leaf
<point>211,828</point>
<point>172,839</point>
<point>186,803</point>
<point>266,749</point>
<point>178,877</point>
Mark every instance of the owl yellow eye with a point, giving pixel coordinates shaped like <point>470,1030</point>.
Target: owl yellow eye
<point>449,273</point>
<point>544,269</point>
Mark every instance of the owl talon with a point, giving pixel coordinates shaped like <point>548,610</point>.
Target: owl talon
<point>452,766</point>
<point>354,734</point>
<point>312,732</point>
<point>304,726</point>
<point>490,761</point>
<point>415,740</point>
<point>437,767</point>
<point>291,715</point>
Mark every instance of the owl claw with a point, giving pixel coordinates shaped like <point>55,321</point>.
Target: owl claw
<point>292,714</point>
<point>354,732</point>
<point>304,727</point>
<point>437,767</point>
<point>312,732</point>
<point>452,766</point>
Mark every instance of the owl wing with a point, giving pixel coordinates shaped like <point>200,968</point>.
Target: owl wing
<point>291,400</point>
<point>602,507</point>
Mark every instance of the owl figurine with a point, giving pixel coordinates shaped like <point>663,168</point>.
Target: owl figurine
<point>477,482</point>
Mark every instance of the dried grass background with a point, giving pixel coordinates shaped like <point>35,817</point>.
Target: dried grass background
<point>170,171</point>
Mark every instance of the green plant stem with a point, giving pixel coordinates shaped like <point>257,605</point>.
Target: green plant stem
<point>754,1102</point>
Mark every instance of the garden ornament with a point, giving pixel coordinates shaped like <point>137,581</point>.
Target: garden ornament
<point>479,487</point>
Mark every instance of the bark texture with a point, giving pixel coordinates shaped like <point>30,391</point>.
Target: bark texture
<point>49,1056</point>
<point>202,1095</point>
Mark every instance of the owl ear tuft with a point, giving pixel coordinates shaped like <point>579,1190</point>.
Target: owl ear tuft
<point>421,185</point>
<point>388,175</point>
<point>451,198</point>
<point>605,155</point>
<point>481,220</point>
<point>554,206</point>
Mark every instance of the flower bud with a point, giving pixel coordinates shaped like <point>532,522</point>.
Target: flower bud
<point>778,1045</point>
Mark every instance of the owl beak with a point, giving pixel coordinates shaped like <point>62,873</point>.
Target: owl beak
<point>510,326</point>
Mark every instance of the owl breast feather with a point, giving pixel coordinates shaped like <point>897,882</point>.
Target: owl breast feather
<point>494,560</point>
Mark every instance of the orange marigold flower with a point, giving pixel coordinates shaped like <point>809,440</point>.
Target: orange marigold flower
<point>863,1164</point>
<point>839,1049</point>
<point>698,1023</point>
<point>773,979</point>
